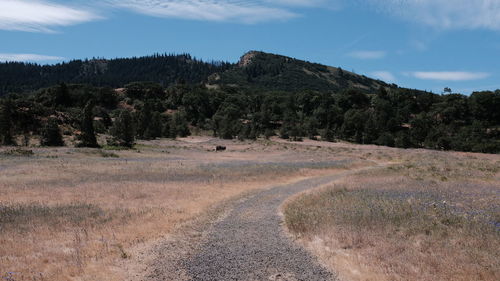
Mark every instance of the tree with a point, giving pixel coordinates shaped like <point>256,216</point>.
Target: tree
<point>88,138</point>
<point>51,134</point>
<point>179,125</point>
<point>311,127</point>
<point>62,97</point>
<point>6,123</point>
<point>154,129</point>
<point>420,127</point>
<point>107,97</point>
<point>402,139</point>
<point>227,128</point>
<point>370,133</point>
<point>354,125</point>
<point>166,131</point>
<point>385,139</point>
<point>144,119</point>
<point>123,130</point>
<point>328,134</point>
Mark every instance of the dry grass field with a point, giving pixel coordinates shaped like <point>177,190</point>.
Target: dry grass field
<point>78,214</point>
<point>429,216</point>
<point>87,214</point>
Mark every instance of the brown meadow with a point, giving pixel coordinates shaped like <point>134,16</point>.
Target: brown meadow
<point>77,214</point>
<point>87,214</point>
<point>432,216</point>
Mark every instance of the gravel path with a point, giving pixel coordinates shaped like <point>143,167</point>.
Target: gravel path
<point>250,244</point>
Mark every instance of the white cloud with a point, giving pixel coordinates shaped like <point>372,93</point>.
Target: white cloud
<point>446,14</point>
<point>450,75</point>
<point>368,55</point>
<point>384,76</point>
<point>246,11</point>
<point>304,3</point>
<point>40,16</point>
<point>28,57</point>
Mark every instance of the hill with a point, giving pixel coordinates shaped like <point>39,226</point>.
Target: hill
<point>275,72</point>
<point>255,70</point>
<point>163,69</point>
<point>260,96</point>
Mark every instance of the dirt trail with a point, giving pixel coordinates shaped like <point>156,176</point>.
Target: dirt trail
<point>247,243</point>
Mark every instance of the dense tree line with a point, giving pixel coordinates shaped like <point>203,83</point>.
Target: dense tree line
<point>164,69</point>
<point>389,116</point>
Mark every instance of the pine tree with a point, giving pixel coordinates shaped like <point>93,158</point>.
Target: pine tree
<point>88,138</point>
<point>144,120</point>
<point>311,128</point>
<point>62,96</point>
<point>328,134</point>
<point>370,133</point>
<point>6,123</point>
<point>51,134</point>
<point>123,130</point>
<point>227,128</point>
<point>179,125</point>
<point>166,130</point>
<point>154,129</point>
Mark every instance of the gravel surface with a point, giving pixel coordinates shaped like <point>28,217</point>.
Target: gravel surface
<point>249,243</point>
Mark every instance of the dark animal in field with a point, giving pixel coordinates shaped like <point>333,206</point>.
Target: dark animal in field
<point>220,148</point>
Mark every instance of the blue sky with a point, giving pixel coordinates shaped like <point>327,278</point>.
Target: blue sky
<point>424,44</point>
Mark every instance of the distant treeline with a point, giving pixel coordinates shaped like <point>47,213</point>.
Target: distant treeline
<point>165,69</point>
<point>393,117</point>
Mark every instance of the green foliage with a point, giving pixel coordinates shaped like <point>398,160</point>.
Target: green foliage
<point>51,134</point>
<point>123,130</point>
<point>154,129</point>
<point>144,120</point>
<point>179,125</point>
<point>6,137</point>
<point>166,69</point>
<point>87,137</point>
<point>264,95</point>
<point>274,72</point>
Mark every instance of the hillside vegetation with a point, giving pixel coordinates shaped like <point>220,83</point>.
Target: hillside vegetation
<point>261,96</point>
<point>274,72</point>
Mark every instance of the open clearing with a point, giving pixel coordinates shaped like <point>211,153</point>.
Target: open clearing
<point>171,208</point>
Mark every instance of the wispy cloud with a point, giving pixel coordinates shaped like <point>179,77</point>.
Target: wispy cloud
<point>28,58</point>
<point>445,14</point>
<point>450,75</point>
<point>368,55</point>
<point>40,16</point>
<point>306,3</point>
<point>245,11</point>
<point>384,76</point>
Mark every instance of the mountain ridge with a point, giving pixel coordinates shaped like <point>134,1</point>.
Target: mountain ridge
<point>255,69</point>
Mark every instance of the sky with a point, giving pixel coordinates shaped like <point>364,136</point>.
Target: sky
<point>423,44</point>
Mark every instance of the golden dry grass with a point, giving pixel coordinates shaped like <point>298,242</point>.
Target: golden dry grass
<point>432,216</point>
<point>74,214</point>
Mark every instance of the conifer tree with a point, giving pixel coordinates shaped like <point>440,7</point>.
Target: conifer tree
<point>88,138</point>
<point>154,129</point>
<point>6,123</point>
<point>166,130</point>
<point>144,120</point>
<point>51,134</point>
<point>179,125</point>
<point>62,96</point>
<point>123,130</point>
<point>328,134</point>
